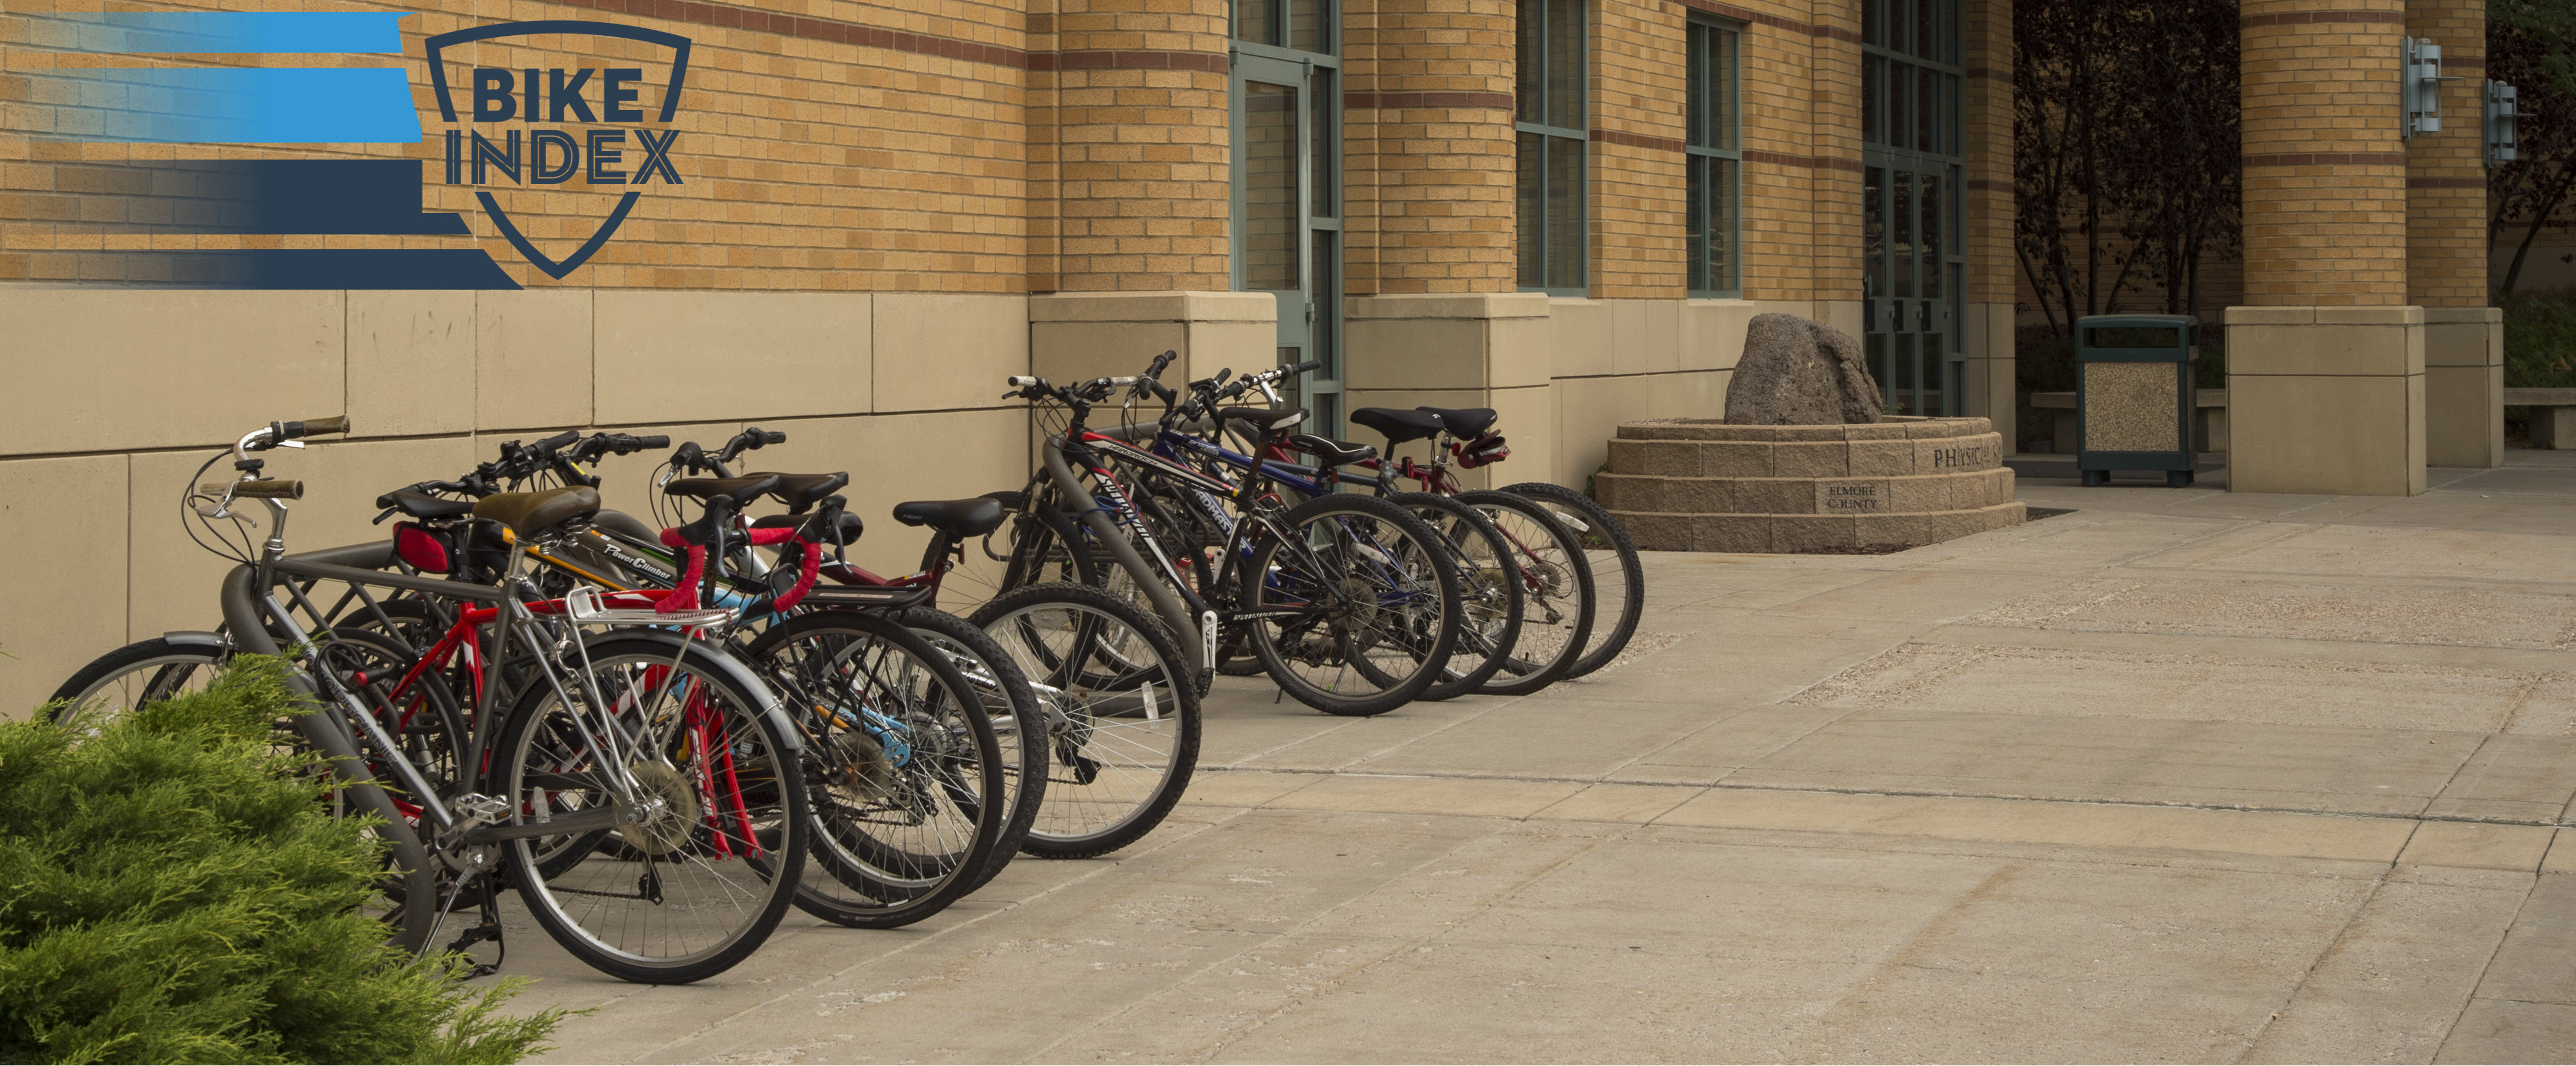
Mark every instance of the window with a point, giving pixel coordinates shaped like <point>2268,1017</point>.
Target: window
<point>1554,131</point>
<point>1716,160</point>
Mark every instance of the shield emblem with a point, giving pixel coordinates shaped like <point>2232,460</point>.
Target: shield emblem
<point>678,48</point>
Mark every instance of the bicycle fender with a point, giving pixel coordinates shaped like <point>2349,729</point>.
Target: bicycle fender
<point>194,636</point>
<point>734,668</point>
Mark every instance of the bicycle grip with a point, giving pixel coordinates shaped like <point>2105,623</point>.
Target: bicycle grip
<point>557,441</point>
<point>773,437</point>
<point>656,441</point>
<point>311,426</point>
<point>1022,381</point>
<point>1155,369</point>
<point>1307,367</point>
<point>270,489</point>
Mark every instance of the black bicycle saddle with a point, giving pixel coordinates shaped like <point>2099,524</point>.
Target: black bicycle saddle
<point>957,518</point>
<point>1399,426</point>
<point>1463,423</point>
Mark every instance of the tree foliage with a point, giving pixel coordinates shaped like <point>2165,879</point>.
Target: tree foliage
<point>172,890</point>
<point>2125,130</point>
<point>2531,45</point>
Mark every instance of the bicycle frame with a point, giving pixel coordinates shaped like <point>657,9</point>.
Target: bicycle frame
<point>250,607</point>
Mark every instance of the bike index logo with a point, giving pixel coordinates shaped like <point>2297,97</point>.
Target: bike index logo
<point>540,126</point>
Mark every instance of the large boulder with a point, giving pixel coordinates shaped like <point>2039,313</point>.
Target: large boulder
<point>1799,373</point>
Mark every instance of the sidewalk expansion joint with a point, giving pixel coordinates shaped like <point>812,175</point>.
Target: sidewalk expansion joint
<point>2472,842</point>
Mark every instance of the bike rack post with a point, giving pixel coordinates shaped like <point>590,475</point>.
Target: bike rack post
<point>1175,614</point>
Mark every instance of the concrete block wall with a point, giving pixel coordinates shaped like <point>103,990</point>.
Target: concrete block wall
<point>119,395</point>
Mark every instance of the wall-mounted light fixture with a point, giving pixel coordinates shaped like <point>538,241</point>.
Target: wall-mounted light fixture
<point>2420,88</point>
<point>2504,113</point>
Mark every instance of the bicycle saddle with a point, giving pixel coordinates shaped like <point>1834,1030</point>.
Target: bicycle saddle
<point>957,518</point>
<point>1262,421</point>
<point>528,514</point>
<point>1464,424</point>
<point>1329,452</point>
<point>741,490</point>
<point>800,491</point>
<point>627,525</point>
<point>1399,426</point>
<point>424,505</point>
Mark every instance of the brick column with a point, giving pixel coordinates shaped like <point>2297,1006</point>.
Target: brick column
<point>2326,367</point>
<point>1991,267</point>
<point>1436,316</point>
<point>2446,248</point>
<point>1430,81</point>
<point>1139,95</point>
<point>1836,65</point>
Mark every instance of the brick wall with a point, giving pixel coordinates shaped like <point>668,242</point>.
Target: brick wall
<point>1428,129</point>
<point>1989,144</point>
<point>2325,171</point>
<point>2446,183</point>
<point>1639,208</point>
<point>856,147</point>
<point>1135,134</point>
<point>1780,197</point>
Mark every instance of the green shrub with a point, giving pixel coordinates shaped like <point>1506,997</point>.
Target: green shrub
<point>172,891</point>
<point>2540,339</point>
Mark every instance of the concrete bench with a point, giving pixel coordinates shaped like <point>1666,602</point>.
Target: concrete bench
<point>2208,429</point>
<point>2553,415</point>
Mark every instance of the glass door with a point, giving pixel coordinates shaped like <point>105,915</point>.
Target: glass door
<point>1287,195</point>
<point>1914,268</point>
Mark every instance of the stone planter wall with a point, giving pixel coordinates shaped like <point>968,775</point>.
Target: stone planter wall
<point>1704,485</point>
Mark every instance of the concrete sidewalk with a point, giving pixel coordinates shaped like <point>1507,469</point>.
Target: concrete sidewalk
<point>2179,775</point>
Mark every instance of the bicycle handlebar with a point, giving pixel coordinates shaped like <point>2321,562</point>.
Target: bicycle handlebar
<point>752,438</point>
<point>311,426</point>
<point>270,489</point>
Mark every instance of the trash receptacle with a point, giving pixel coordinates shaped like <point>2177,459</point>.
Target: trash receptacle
<point>2134,395</point>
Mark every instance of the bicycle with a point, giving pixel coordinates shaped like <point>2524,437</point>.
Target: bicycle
<point>1345,600</point>
<point>917,801</point>
<point>640,731</point>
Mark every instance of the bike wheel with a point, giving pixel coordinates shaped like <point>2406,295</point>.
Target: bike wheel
<point>146,671</point>
<point>706,870</point>
<point>1618,578</point>
<point>1548,561</point>
<point>1122,714</point>
<point>1490,599</point>
<point>900,757</point>
<point>1356,611</point>
<point>1019,720</point>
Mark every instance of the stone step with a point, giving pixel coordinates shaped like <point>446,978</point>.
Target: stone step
<point>1891,427</point>
<point>1875,457</point>
<point>1805,495</point>
<point>1659,531</point>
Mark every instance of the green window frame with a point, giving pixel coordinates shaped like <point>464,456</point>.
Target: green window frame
<point>1713,153</point>
<point>1554,138</point>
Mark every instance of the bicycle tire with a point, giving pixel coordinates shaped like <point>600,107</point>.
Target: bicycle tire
<point>1080,822</point>
<point>1604,535</point>
<point>870,878</point>
<point>1332,623</point>
<point>175,660</point>
<point>1492,605</point>
<point>771,855</point>
<point>1560,592</point>
<point>1008,698</point>
<point>172,666</point>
